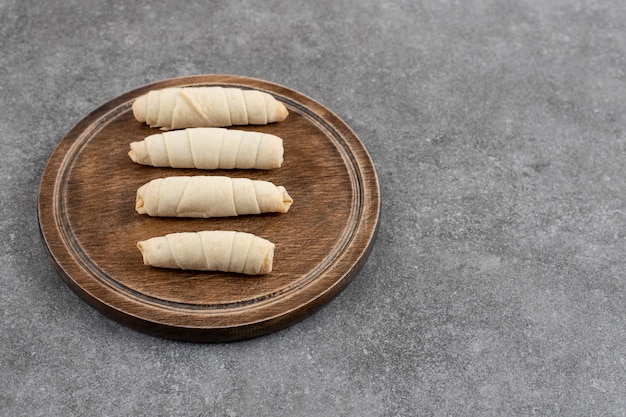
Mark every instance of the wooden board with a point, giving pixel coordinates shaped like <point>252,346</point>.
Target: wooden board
<point>90,227</point>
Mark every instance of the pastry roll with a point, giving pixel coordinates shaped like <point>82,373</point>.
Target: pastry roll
<point>210,196</point>
<point>226,251</point>
<point>182,107</point>
<point>209,148</point>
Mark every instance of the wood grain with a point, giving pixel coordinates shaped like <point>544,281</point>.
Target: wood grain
<point>90,227</point>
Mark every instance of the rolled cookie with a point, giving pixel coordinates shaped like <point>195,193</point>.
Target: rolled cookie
<point>226,251</point>
<point>182,107</point>
<point>210,196</point>
<point>209,148</point>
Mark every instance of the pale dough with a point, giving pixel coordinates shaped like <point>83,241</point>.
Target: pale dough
<point>210,196</point>
<point>226,251</point>
<point>209,148</point>
<point>182,107</point>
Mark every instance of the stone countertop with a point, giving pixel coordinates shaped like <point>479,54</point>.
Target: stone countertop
<point>497,285</point>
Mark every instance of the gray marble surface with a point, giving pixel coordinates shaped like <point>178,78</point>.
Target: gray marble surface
<point>497,285</point>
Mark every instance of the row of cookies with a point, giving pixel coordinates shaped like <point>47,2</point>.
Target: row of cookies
<point>193,120</point>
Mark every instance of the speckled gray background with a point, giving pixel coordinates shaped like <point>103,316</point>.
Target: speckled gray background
<point>497,285</point>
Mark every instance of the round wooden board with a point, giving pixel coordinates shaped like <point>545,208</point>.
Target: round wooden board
<point>90,227</point>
